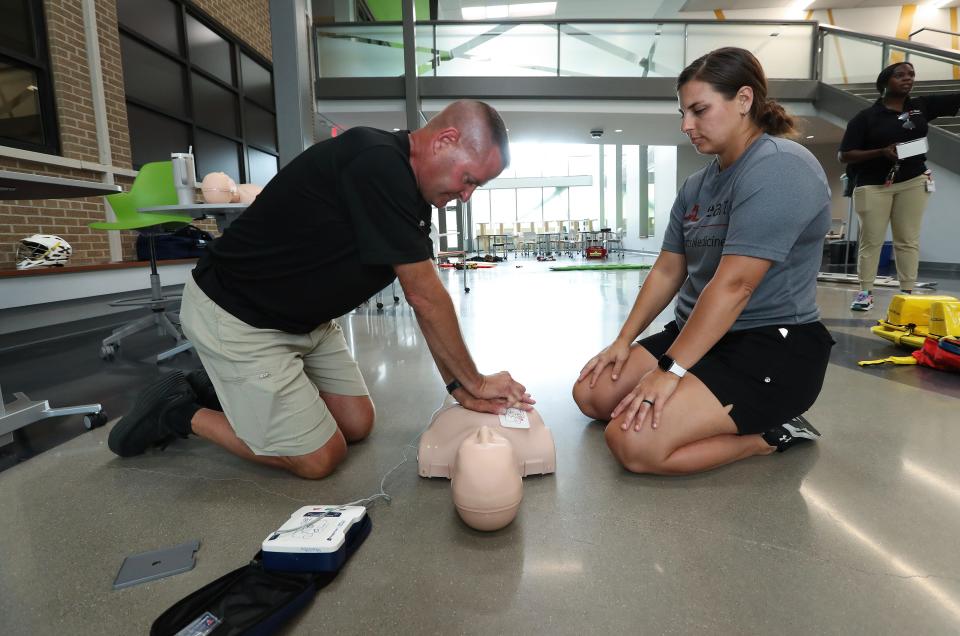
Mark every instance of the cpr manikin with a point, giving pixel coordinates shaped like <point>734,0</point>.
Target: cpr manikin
<point>218,187</point>
<point>486,455</point>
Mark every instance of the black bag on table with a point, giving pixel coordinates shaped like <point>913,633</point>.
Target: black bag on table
<point>250,600</point>
<point>186,242</point>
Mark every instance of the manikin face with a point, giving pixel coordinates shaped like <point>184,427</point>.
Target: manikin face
<point>709,119</point>
<point>451,172</point>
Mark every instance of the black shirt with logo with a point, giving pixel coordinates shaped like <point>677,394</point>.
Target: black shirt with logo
<point>878,127</point>
<point>323,235</point>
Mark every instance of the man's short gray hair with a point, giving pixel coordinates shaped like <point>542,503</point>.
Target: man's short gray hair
<point>497,130</point>
<point>480,126</point>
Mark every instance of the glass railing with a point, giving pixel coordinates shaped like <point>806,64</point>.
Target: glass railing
<point>494,50</point>
<point>576,48</point>
<point>638,48</point>
<point>857,59</point>
<point>786,50</point>
<point>928,67</point>
<point>621,50</point>
<point>359,50</point>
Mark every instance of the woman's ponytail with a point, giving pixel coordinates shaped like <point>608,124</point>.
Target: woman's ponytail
<point>774,120</point>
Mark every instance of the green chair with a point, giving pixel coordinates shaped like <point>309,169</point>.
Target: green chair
<point>153,187</point>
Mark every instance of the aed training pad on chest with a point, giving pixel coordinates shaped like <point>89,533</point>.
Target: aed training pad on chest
<point>533,445</point>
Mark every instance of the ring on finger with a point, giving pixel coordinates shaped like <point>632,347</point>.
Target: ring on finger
<point>646,401</point>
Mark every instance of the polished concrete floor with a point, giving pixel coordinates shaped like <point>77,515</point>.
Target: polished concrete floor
<point>856,534</point>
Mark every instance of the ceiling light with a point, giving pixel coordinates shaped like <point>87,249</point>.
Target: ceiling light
<point>514,10</point>
<point>618,130</point>
<point>939,4</point>
<point>530,9</point>
<point>474,13</point>
<point>396,130</point>
<point>809,136</point>
<point>497,11</point>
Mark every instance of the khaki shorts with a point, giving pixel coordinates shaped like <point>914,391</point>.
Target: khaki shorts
<point>269,381</point>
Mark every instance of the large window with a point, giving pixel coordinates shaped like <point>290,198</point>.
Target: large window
<point>537,205</point>
<point>27,116</point>
<point>189,83</point>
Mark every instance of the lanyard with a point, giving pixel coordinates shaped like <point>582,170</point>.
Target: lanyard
<point>891,175</point>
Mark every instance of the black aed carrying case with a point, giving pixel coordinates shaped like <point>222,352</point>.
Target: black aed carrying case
<point>185,242</point>
<point>250,600</point>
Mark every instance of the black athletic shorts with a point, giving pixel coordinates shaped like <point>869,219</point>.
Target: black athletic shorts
<point>768,378</point>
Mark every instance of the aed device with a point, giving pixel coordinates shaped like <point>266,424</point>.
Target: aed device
<point>315,539</point>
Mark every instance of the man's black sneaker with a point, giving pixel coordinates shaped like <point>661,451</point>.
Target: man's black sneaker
<point>203,387</point>
<point>789,433</point>
<point>146,425</point>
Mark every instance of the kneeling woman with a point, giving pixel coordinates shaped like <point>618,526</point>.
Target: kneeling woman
<point>746,354</point>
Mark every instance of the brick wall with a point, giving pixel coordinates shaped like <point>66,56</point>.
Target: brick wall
<point>248,20</point>
<point>67,218</point>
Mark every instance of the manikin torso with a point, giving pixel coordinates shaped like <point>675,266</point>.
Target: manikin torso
<point>533,447</point>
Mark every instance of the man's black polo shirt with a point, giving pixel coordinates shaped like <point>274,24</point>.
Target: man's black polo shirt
<point>878,127</point>
<point>322,236</point>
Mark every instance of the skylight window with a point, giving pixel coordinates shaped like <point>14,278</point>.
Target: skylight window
<point>513,10</point>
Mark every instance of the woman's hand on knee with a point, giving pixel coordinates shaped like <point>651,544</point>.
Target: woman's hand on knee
<point>616,354</point>
<point>646,400</point>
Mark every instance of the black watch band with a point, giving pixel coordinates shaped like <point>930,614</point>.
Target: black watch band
<point>454,385</point>
<point>668,364</point>
<point>665,362</point>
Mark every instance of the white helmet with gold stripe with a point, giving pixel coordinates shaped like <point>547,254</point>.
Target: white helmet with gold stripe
<point>42,250</point>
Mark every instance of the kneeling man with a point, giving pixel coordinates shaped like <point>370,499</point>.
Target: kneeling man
<point>331,229</point>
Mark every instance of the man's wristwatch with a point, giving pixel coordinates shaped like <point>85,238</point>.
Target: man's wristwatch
<point>453,386</point>
<point>670,365</point>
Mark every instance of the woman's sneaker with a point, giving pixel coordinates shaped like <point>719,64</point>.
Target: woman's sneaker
<point>789,433</point>
<point>863,302</point>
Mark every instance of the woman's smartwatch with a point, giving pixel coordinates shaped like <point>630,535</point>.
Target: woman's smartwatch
<point>670,365</point>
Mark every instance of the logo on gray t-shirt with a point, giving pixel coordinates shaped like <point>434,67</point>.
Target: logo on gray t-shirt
<point>772,203</point>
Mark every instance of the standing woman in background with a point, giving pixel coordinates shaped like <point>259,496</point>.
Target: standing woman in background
<point>890,190</point>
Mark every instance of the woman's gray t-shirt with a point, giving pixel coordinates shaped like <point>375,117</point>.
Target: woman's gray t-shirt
<point>772,203</point>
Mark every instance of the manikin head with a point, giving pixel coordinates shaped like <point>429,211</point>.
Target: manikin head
<point>461,148</point>
<point>487,488</point>
<point>218,187</point>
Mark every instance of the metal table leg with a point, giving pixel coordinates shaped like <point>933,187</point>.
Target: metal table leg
<point>23,411</point>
